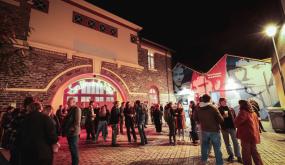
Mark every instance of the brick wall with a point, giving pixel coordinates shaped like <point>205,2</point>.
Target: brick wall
<point>35,70</point>
<point>38,67</point>
<point>41,66</point>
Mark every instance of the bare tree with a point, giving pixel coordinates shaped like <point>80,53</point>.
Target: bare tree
<point>14,21</point>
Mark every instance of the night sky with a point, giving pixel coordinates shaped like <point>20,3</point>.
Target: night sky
<point>201,32</point>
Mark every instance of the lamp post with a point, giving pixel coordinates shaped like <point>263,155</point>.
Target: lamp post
<point>270,32</point>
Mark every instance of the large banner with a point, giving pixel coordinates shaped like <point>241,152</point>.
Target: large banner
<point>250,79</point>
<point>232,77</point>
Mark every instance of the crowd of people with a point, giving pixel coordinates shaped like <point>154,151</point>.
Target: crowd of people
<point>31,133</point>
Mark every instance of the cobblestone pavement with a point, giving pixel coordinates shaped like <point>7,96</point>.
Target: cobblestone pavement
<point>272,150</point>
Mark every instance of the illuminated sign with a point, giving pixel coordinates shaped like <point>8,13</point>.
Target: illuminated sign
<point>85,84</point>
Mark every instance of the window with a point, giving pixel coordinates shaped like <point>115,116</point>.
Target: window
<point>153,96</point>
<point>91,23</point>
<point>94,24</point>
<point>134,39</point>
<point>99,99</point>
<point>85,99</point>
<point>77,18</point>
<point>109,99</point>
<point>150,60</point>
<point>41,5</point>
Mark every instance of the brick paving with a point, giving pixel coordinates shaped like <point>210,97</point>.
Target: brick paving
<point>272,150</point>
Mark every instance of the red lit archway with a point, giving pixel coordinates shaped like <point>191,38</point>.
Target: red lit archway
<point>85,90</point>
<point>60,98</point>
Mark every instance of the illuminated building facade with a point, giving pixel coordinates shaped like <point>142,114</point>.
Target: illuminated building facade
<point>76,49</point>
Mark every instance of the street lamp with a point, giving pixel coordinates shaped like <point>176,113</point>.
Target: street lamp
<point>270,31</point>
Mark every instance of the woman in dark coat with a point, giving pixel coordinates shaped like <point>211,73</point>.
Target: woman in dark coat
<point>157,117</point>
<point>36,137</point>
<point>180,121</point>
<point>130,121</point>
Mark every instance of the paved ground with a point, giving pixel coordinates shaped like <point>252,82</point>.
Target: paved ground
<point>158,151</point>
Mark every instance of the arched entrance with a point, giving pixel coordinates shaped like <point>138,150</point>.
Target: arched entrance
<point>85,90</point>
<point>101,89</point>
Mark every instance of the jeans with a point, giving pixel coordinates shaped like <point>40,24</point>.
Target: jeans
<point>142,134</point>
<point>249,151</point>
<point>215,139</point>
<point>114,133</point>
<point>102,127</point>
<point>231,132</point>
<point>73,147</point>
<point>130,128</point>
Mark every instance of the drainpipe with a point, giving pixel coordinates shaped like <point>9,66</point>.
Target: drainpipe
<point>204,75</point>
<point>166,53</point>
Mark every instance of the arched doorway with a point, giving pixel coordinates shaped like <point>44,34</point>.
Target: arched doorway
<point>89,89</point>
<point>85,90</point>
<point>153,96</point>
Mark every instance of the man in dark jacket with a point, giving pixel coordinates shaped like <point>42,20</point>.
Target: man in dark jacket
<point>36,137</point>
<point>18,118</point>
<point>72,129</point>
<point>140,116</point>
<point>210,119</point>
<point>89,121</point>
<point>122,118</point>
<point>228,129</point>
<point>129,121</point>
<point>114,121</point>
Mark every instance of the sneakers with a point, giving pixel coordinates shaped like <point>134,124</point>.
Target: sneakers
<point>230,159</point>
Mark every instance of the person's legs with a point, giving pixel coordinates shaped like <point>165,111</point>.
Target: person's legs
<point>105,130</point>
<point>182,134</point>
<point>144,135</point>
<point>128,133</point>
<point>255,155</point>
<point>235,142</point>
<point>73,147</point>
<point>92,130</point>
<point>179,134</point>
<point>205,146</point>
<point>226,138</point>
<point>134,133</point>
<point>121,126</point>
<point>246,153</point>
<point>216,142</point>
<point>210,148</point>
<point>141,133</point>
<point>96,122</point>
<point>87,127</point>
<point>261,127</point>
<point>99,129</point>
<point>170,132</point>
<point>114,134</point>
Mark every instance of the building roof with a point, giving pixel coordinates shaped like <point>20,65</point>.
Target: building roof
<point>147,42</point>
